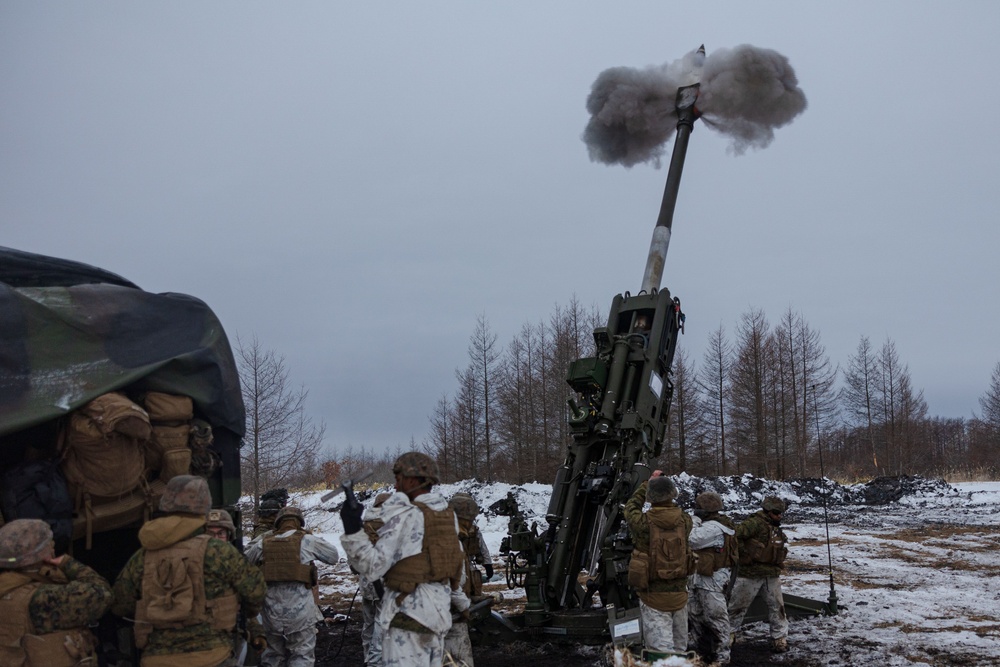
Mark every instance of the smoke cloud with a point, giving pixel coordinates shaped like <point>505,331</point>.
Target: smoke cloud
<point>746,93</point>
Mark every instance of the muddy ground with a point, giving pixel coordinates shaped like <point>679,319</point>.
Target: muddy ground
<point>339,645</point>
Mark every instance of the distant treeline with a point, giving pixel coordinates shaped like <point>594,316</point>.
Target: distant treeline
<point>765,399</point>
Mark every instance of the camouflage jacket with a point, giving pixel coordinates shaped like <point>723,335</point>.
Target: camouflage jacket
<point>759,529</point>
<point>225,570</point>
<point>289,606</point>
<point>638,525</point>
<point>76,604</point>
<point>401,536</point>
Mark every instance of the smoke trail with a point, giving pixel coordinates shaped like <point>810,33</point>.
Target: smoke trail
<point>746,93</point>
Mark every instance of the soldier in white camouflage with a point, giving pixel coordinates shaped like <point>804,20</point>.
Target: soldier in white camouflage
<point>185,589</point>
<point>419,558</point>
<point>290,613</point>
<point>713,540</point>
<point>46,602</point>
<point>372,591</point>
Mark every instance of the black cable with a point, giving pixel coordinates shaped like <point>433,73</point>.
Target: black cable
<point>343,633</point>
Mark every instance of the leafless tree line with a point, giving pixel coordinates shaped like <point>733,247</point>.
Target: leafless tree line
<point>766,401</point>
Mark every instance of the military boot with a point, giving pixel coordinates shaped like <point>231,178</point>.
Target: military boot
<point>779,645</point>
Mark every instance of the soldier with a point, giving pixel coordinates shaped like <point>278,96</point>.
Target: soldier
<point>457,642</point>
<point>372,591</point>
<point>48,600</point>
<point>419,557</point>
<point>467,510</point>
<point>265,516</point>
<point>713,540</point>
<point>660,564</point>
<point>762,557</point>
<point>220,525</point>
<point>290,612</point>
<point>183,588</point>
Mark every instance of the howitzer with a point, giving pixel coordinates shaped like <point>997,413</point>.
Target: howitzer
<point>618,416</point>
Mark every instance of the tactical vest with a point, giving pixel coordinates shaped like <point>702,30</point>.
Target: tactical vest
<point>440,558</point>
<point>471,541</point>
<point>283,559</point>
<point>20,645</point>
<point>473,582</point>
<point>669,555</point>
<point>173,592</point>
<point>713,559</point>
<point>771,553</point>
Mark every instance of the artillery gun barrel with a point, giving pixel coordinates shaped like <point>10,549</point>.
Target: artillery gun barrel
<point>687,114</point>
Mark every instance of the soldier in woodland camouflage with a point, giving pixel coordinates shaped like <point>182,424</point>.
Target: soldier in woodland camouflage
<point>46,602</point>
<point>418,556</point>
<point>290,613</point>
<point>713,540</point>
<point>186,615</point>
<point>762,558</point>
<point>220,525</point>
<point>660,564</point>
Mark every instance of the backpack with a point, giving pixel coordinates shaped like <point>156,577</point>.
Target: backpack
<point>669,555</point>
<point>170,416</point>
<point>103,458</point>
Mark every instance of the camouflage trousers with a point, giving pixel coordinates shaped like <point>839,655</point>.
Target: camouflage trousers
<point>664,631</point>
<point>406,648</point>
<point>458,645</point>
<point>294,649</point>
<point>708,625</point>
<point>746,589</point>
<point>371,632</point>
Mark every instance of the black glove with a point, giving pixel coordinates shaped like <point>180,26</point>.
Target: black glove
<point>489,571</point>
<point>351,511</point>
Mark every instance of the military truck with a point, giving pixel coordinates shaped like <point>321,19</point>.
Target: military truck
<point>78,343</point>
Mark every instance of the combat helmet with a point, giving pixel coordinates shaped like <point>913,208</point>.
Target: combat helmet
<point>773,504</point>
<point>290,512</point>
<point>381,498</point>
<point>186,494</point>
<point>417,464</point>
<point>660,489</point>
<point>280,495</point>
<point>25,542</point>
<point>269,508</point>
<point>221,519</point>
<point>464,505</point>
<point>710,501</point>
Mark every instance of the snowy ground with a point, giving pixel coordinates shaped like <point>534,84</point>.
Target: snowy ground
<point>917,578</point>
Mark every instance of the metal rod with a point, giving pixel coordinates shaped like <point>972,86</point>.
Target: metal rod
<point>832,600</point>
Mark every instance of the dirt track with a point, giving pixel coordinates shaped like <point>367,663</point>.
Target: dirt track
<point>339,645</point>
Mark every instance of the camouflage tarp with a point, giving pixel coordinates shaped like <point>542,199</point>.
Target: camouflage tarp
<point>70,332</point>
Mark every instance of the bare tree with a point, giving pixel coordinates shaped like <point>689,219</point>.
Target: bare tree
<point>749,389</point>
<point>281,439</point>
<point>990,401</point>
<point>485,358</point>
<point>900,409</point>
<point>858,393</point>
<point>684,419</point>
<point>713,380</point>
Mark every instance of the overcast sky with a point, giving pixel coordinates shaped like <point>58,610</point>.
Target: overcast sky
<point>354,183</point>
